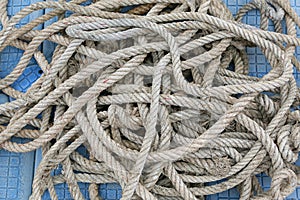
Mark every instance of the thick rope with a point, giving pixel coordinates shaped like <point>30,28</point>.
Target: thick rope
<point>158,94</point>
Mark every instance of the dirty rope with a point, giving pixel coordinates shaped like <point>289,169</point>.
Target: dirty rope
<point>158,95</point>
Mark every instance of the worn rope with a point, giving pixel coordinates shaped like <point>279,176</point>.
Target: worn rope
<point>158,94</point>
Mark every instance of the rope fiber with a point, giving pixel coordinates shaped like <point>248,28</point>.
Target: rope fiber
<point>159,94</point>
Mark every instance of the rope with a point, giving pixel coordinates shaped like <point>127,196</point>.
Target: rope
<point>147,88</point>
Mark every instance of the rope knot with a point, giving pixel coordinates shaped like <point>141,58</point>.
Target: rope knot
<point>283,183</point>
<point>295,137</point>
<point>220,166</point>
<point>272,10</point>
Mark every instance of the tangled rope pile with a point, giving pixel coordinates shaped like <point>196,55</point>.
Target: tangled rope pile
<point>145,87</point>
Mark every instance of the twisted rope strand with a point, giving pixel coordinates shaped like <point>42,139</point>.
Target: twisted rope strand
<point>158,94</point>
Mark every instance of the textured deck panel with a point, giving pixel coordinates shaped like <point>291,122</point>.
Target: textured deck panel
<point>16,170</point>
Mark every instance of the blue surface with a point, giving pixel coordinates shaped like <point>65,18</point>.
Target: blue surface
<point>16,170</point>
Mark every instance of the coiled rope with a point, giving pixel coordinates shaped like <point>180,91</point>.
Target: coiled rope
<point>145,87</point>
